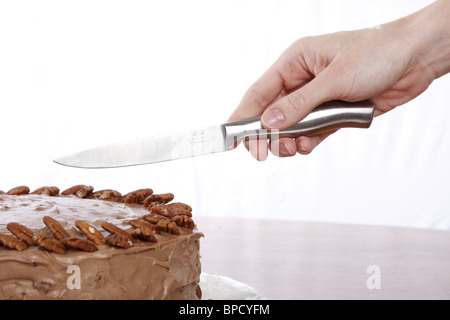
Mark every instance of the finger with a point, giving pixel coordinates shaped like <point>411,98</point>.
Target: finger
<point>285,75</point>
<point>261,94</point>
<point>305,145</point>
<point>258,149</point>
<point>284,147</point>
<point>295,106</point>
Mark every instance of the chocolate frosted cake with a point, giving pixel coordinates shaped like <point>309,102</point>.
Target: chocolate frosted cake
<point>86,244</point>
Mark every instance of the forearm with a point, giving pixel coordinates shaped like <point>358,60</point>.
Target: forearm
<point>428,32</point>
<point>390,65</point>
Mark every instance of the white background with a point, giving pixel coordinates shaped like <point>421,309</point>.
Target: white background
<point>77,74</point>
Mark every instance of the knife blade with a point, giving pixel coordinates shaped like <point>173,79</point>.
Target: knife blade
<point>224,137</point>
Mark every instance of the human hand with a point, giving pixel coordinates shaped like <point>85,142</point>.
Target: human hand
<point>390,65</point>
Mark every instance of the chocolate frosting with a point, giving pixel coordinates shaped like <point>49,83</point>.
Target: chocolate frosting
<point>168,269</point>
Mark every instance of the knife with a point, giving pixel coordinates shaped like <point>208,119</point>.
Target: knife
<point>190,143</point>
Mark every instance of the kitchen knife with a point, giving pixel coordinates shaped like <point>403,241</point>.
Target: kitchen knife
<point>190,143</point>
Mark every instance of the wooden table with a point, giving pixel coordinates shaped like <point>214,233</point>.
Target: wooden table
<point>306,260</point>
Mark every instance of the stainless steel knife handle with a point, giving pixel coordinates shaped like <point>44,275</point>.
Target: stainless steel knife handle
<point>326,117</point>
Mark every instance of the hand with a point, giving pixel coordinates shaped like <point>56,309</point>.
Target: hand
<point>388,65</point>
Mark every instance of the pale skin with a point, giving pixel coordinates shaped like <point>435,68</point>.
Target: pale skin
<point>389,64</point>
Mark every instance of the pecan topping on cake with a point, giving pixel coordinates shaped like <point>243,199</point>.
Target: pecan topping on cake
<point>18,191</point>
<point>143,224</point>
<point>163,216</point>
<point>162,210</point>
<point>168,226</point>
<point>107,194</point>
<point>184,221</point>
<point>93,234</point>
<point>55,228</point>
<point>51,244</point>
<point>12,242</point>
<point>137,196</point>
<point>180,212</point>
<point>119,241</point>
<point>144,234</point>
<point>80,244</point>
<point>21,232</point>
<point>116,230</point>
<point>144,230</point>
<point>154,218</point>
<point>157,199</point>
<point>81,191</point>
<point>47,191</point>
<point>180,206</point>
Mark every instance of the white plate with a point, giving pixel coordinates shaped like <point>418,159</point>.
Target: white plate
<point>218,287</point>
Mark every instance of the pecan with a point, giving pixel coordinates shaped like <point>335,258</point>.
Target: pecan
<point>144,234</point>
<point>72,190</point>
<point>184,221</point>
<point>116,230</point>
<point>168,197</point>
<point>21,232</point>
<point>47,191</point>
<point>153,200</point>
<point>154,218</point>
<point>12,242</point>
<point>137,196</point>
<point>93,234</point>
<point>18,191</point>
<point>81,191</point>
<point>84,192</point>
<point>51,244</point>
<point>55,228</point>
<point>143,224</point>
<point>179,205</point>
<point>158,198</point>
<point>168,226</point>
<point>119,241</point>
<point>108,194</point>
<point>181,212</point>
<point>162,210</point>
<point>80,244</point>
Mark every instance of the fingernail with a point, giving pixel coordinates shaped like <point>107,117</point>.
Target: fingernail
<point>254,152</point>
<point>284,150</point>
<point>301,146</point>
<point>253,148</point>
<point>273,118</point>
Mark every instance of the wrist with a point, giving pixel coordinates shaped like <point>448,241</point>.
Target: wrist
<point>428,33</point>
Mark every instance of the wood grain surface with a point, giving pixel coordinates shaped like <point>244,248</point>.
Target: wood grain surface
<point>306,260</point>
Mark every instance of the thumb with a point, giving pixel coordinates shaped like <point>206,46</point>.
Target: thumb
<point>295,106</point>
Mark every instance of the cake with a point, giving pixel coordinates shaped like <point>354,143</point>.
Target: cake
<point>86,244</point>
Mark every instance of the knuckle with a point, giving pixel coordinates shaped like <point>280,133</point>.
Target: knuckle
<point>296,102</point>
<point>257,98</point>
